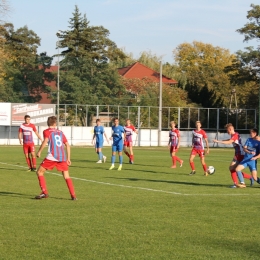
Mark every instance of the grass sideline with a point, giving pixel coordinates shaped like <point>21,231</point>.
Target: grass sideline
<point>145,211</point>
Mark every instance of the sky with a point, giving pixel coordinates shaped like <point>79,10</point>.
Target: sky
<point>156,26</point>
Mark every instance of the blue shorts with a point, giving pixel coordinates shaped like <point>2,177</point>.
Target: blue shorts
<point>251,164</point>
<point>117,147</point>
<point>99,144</point>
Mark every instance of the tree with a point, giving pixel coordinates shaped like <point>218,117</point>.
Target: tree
<point>24,71</point>
<point>203,67</point>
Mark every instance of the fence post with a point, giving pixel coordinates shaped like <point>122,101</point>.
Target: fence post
<point>139,130</point>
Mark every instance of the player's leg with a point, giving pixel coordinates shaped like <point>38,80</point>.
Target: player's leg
<point>203,163</point>
<point>131,152</point>
<point>100,155</point>
<point>113,157</point>
<point>33,158</point>
<point>173,157</point>
<point>177,158</point>
<point>27,158</point>
<point>232,168</point>
<point>120,149</point>
<point>253,169</point>
<point>255,178</point>
<point>192,165</point>
<point>69,182</point>
<point>239,169</point>
<point>40,174</point>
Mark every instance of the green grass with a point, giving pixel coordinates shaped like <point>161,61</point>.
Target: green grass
<point>146,211</point>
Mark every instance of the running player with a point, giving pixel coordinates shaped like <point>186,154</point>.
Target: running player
<point>251,149</point>
<point>174,144</point>
<point>235,140</point>
<point>99,131</point>
<point>198,147</point>
<point>56,157</point>
<point>117,146</point>
<point>25,135</point>
<point>128,142</point>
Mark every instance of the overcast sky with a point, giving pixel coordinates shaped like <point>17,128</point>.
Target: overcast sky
<point>158,26</point>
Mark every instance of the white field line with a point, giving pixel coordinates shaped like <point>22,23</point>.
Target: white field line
<point>133,187</point>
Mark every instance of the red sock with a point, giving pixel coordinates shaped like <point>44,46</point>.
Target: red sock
<point>173,160</point>
<point>247,176</point>
<point>234,176</point>
<point>70,187</point>
<point>42,184</point>
<point>192,166</point>
<point>34,162</point>
<point>132,157</point>
<point>178,159</point>
<point>204,167</point>
<point>128,155</point>
<point>29,162</point>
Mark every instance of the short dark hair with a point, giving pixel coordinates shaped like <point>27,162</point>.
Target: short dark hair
<point>98,120</point>
<point>51,120</point>
<point>26,116</point>
<point>255,130</point>
<point>116,118</point>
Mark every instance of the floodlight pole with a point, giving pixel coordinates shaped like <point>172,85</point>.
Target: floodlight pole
<point>160,108</point>
<point>58,86</point>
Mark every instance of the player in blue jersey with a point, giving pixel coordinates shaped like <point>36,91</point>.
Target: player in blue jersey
<point>118,136</point>
<point>99,131</point>
<point>252,150</point>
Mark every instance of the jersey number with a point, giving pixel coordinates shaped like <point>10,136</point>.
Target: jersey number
<point>58,141</point>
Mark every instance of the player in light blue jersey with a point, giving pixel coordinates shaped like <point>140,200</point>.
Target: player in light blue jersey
<point>252,150</point>
<point>99,131</point>
<point>118,136</point>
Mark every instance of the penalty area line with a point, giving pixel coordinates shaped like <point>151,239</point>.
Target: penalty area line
<point>133,187</point>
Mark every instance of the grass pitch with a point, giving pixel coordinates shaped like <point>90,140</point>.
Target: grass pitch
<point>145,211</point>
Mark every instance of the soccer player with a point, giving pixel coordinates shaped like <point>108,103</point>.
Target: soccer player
<point>25,135</point>
<point>235,140</point>
<point>56,157</point>
<point>117,136</point>
<point>251,149</point>
<point>128,142</point>
<point>174,144</point>
<point>198,147</point>
<point>99,131</point>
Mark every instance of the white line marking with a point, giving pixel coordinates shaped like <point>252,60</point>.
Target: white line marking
<point>133,187</point>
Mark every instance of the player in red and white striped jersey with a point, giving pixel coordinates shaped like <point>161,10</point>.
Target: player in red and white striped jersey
<point>56,157</point>
<point>25,135</point>
<point>128,142</point>
<point>198,148</point>
<point>174,144</point>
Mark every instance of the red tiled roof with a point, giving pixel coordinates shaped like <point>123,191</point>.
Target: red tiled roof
<point>138,70</point>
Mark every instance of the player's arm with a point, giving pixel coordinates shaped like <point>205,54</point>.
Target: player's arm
<point>169,141</point>
<point>44,143</point>
<point>38,135</point>
<point>106,137</point>
<point>207,144</point>
<point>20,136</point>
<point>247,151</point>
<point>68,153</point>
<point>229,141</point>
<point>94,136</point>
<point>179,141</point>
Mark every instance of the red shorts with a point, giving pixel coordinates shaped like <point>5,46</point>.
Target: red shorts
<point>238,158</point>
<point>28,148</point>
<point>128,143</point>
<point>49,165</point>
<point>173,149</point>
<point>201,153</point>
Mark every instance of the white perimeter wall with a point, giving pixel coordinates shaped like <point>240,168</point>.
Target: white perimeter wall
<point>83,135</point>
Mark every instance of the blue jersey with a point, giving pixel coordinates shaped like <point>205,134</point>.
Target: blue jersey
<point>117,132</point>
<point>252,146</point>
<point>99,131</point>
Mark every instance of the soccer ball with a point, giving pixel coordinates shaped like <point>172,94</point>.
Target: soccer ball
<point>211,169</point>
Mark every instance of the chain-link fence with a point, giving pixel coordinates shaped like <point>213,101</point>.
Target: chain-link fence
<point>212,119</point>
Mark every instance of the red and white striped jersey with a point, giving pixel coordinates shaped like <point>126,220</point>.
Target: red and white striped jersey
<point>174,137</point>
<point>57,139</point>
<point>197,139</point>
<point>27,132</point>
<point>129,130</point>
<point>237,144</point>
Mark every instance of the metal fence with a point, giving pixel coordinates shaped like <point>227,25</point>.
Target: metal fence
<point>212,119</point>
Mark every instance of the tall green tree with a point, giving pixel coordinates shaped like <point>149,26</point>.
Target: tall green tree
<point>24,72</point>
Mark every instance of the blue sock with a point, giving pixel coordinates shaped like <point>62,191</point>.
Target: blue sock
<point>113,158</point>
<point>100,156</point>
<point>240,177</point>
<point>120,159</point>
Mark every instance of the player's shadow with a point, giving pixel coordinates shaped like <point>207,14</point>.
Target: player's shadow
<point>14,194</point>
<point>6,169</point>
<point>171,182</point>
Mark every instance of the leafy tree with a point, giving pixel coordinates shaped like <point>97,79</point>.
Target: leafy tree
<point>24,70</point>
<point>203,67</point>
